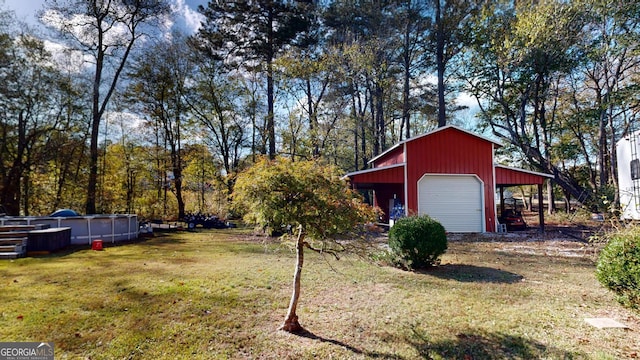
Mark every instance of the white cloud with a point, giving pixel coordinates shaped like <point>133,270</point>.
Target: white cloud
<point>188,16</point>
<point>122,123</point>
<point>66,59</point>
<point>81,28</point>
<point>466,99</point>
<point>24,10</point>
<point>185,12</point>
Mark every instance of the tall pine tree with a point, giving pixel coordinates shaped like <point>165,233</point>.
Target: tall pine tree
<point>249,35</point>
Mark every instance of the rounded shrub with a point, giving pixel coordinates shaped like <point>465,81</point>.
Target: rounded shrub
<point>618,267</point>
<point>418,241</point>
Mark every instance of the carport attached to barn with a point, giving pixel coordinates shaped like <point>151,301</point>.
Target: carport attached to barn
<point>508,176</point>
<point>448,174</point>
<point>388,183</point>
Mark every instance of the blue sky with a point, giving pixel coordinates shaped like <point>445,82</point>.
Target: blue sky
<point>26,9</point>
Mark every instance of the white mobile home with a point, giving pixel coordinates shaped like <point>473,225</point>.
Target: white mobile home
<point>629,176</point>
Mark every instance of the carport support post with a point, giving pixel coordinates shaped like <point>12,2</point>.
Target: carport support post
<point>540,208</point>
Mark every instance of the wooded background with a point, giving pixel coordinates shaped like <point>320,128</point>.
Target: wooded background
<point>108,110</point>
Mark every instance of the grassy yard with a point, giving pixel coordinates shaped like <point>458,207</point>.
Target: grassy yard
<point>223,294</point>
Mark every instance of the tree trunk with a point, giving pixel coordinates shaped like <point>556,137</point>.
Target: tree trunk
<point>271,127</point>
<point>12,190</point>
<point>176,157</point>
<point>10,196</point>
<point>551,199</point>
<point>525,200</point>
<point>440,64</point>
<point>313,122</point>
<point>26,182</point>
<point>90,207</point>
<point>356,127</point>
<point>406,86</point>
<point>291,323</point>
<point>374,122</point>
<point>96,116</point>
<point>380,123</point>
<point>178,184</point>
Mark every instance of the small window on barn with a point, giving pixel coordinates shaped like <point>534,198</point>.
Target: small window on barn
<point>635,169</point>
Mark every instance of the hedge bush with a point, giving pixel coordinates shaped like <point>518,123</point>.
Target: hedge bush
<point>618,266</point>
<point>418,241</point>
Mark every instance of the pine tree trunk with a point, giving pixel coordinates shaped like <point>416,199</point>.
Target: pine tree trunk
<point>440,64</point>
<point>551,199</point>
<point>291,323</point>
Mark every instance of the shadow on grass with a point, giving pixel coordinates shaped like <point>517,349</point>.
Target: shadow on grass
<point>483,345</point>
<point>374,355</point>
<point>472,273</point>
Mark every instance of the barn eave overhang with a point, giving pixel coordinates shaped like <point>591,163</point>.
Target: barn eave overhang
<point>511,176</point>
<point>390,171</point>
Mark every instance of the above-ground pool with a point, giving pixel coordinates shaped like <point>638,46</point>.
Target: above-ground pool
<point>85,229</point>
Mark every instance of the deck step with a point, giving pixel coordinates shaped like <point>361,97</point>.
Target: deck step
<point>11,255</point>
<point>10,248</point>
<point>13,234</point>
<point>14,241</point>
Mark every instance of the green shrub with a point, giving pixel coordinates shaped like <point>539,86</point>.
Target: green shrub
<point>418,241</point>
<point>618,266</point>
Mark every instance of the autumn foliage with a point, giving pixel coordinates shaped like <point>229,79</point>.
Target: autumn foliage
<point>282,193</point>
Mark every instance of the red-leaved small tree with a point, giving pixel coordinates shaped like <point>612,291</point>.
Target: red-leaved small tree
<point>308,196</point>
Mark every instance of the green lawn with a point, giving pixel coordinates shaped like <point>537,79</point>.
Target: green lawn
<point>223,294</point>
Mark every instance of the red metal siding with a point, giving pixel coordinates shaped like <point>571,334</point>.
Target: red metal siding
<point>514,177</point>
<point>451,151</point>
<point>394,175</point>
<point>395,156</point>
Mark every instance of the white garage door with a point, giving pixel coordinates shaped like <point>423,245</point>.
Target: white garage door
<point>456,201</point>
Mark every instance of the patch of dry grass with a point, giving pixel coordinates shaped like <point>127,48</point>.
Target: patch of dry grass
<point>223,294</point>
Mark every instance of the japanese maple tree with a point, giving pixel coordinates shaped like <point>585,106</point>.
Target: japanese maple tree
<point>307,196</point>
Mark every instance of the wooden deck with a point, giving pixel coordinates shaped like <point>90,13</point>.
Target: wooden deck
<point>21,240</point>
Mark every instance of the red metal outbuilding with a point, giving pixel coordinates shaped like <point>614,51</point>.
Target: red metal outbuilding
<point>449,174</point>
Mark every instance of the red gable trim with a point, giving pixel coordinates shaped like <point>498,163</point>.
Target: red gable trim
<point>497,144</point>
